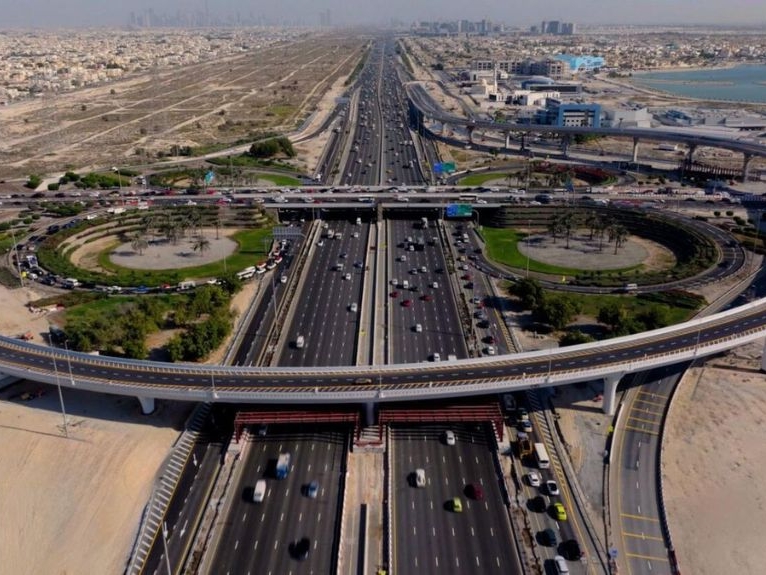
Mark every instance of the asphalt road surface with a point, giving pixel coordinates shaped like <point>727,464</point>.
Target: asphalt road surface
<point>428,535</point>
<point>258,538</point>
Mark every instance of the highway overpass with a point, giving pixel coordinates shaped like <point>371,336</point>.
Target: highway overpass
<point>608,360</point>
<point>423,104</point>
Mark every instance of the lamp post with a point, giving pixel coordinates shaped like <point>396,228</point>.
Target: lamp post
<point>529,233</point>
<point>61,396</point>
<point>18,262</point>
<point>165,544</point>
<point>69,363</point>
<point>212,381</point>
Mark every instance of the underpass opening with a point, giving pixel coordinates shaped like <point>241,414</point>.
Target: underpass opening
<point>444,413</point>
<point>295,416</point>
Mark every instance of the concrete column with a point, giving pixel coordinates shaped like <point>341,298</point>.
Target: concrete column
<point>635,150</point>
<point>470,130</point>
<point>147,405</point>
<point>610,393</point>
<point>523,142</point>
<point>746,167</point>
<point>369,414</point>
<point>690,154</point>
<point>565,145</point>
<point>763,358</point>
<point>445,128</point>
<point>507,140</point>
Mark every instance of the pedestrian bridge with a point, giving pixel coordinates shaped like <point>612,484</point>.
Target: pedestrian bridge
<point>607,360</point>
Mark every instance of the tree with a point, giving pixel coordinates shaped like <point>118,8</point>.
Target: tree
<point>201,244</point>
<point>618,234</point>
<point>529,291</point>
<point>592,222</point>
<point>613,315</point>
<point>568,224</point>
<point>557,311</point>
<point>574,337</point>
<point>138,243</point>
<point>555,227</point>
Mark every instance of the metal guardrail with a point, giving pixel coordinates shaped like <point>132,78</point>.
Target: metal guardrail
<point>163,490</point>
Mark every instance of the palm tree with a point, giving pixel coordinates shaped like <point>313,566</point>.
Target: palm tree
<point>568,223</point>
<point>201,244</point>
<point>138,243</point>
<point>592,221</point>
<point>555,227</point>
<point>618,234</point>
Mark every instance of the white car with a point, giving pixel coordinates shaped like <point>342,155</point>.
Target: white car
<point>353,308</point>
<point>533,478</point>
<point>552,488</point>
<point>449,437</point>
<point>347,276</point>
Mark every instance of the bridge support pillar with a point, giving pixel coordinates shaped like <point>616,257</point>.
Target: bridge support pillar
<point>635,151</point>
<point>565,141</point>
<point>763,358</point>
<point>147,405</point>
<point>369,413</point>
<point>507,140</point>
<point>610,393</point>
<point>445,128</point>
<point>690,154</point>
<point>746,167</point>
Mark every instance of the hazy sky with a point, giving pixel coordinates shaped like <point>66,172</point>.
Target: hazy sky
<point>81,13</point>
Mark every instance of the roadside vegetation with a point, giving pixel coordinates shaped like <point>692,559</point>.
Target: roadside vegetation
<point>611,315</point>
<point>120,325</point>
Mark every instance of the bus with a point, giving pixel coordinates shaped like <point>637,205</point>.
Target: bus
<point>541,456</point>
<point>246,273</point>
<point>468,197</point>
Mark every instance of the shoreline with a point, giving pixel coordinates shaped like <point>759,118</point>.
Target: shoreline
<point>668,80</point>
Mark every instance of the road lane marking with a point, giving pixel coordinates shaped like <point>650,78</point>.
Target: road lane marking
<point>643,536</point>
<point>640,517</point>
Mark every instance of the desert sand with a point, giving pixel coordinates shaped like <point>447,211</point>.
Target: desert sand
<point>72,505</point>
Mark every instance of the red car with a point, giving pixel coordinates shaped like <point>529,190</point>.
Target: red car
<point>394,294</point>
<point>426,297</point>
<point>406,303</point>
<point>466,276</point>
<point>474,491</point>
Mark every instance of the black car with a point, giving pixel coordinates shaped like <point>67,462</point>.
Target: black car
<point>571,550</point>
<point>301,548</point>
<point>547,537</point>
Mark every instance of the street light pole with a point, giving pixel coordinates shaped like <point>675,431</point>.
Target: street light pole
<point>529,233</point>
<point>165,544</point>
<point>18,262</point>
<point>69,363</point>
<point>212,380</point>
<point>61,397</point>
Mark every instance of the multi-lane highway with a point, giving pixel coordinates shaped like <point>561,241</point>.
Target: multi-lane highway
<point>429,534</point>
<point>423,317</point>
<point>261,537</point>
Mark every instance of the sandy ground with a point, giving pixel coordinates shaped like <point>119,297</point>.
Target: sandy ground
<point>71,506</point>
<point>715,493</point>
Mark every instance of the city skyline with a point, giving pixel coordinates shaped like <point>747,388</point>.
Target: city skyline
<point>95,13</point>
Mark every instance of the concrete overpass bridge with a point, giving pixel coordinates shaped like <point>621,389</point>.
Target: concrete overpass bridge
<point>423,106</point>
<point>608,360</point>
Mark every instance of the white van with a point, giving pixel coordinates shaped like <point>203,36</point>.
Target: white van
<point>435,285</point>
<point>418,328</point>
<point>405,284</point>
<point>259,491</point>
<point>420,478</point>
<point>561,565</point>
